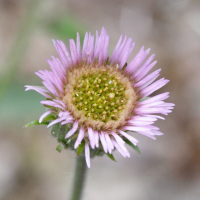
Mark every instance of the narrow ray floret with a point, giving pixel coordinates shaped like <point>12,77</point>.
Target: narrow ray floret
<point>100,101</point>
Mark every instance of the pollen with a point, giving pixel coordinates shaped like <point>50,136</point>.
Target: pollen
<point>111,95</point>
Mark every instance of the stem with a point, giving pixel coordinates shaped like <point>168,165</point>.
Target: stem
<point>79,177</point>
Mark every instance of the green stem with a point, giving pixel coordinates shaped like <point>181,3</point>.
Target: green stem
<point>79,178</point>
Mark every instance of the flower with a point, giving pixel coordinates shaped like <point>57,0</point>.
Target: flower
<point>102,100</point>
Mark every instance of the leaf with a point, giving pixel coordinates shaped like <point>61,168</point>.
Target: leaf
<point>136,148</point>
<point>80,147</point>
<point>36,122</point>
<point>111,156</point>
<point>49,117</point>
<point>60,147</point>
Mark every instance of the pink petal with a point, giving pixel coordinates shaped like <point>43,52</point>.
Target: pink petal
<point>78,46</point>
<point>45,114</point>
<point>55,121</point>
<point>51,103</point>
<point>144,69</point>
<point>156,116</point>
<point>85,43</point>
<point>65,51</point>
<point>132,128</point>
<point>91,137</point>
<point>80,137</point>
<point>117,137</point>
<point>154,86</point>
<point>148,79</point>
<point>87,154</point>
<point>121,148</point>
<point>73,51</point>
<point>109,143</point>
<point>129,137</point>
<point>96,138</point>
<point>136,62</point>
<point>39,90</point>
<point>103,141</point>
<point>73,130</point>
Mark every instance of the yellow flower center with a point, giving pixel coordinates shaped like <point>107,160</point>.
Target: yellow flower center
<point>99,97</point>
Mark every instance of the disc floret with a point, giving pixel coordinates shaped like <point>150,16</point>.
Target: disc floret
<point>100,96</point>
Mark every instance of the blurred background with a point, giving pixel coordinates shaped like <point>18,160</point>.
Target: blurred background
<point>31,168</point>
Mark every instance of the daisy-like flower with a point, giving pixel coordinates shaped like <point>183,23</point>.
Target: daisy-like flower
<point>102,100</point>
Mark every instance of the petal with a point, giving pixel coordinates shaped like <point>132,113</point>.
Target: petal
<point>85,43</point>
<point>136,62</point>
<point>121,148</point>
<point>91,137</point>
<point>129,137</point>
<point>87,154</point>
<point>156,116</point>
<point>144,69</point>
<point>73,51</point>
<point>66,52</point>
<point>160,97</point>
<point>117,137</point>
<point>110,145</point>
<point>80,137</point>
<point>45,114</point>
<point>39,90</point>
<point>73,130</point>
<point>103,141</point>
<point>96,137</point>
<point>133,128</point>
<point>154,86</point>
<point>55,121</point>
<point>78,46</point>
<point>148,79</point>
<point>51,103</point>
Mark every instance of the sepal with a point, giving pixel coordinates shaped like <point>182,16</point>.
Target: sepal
<point>49,117</point>
<point>80,147</point>
<point>111,156</point>
<point>144,99</point>
<point>136,148</point>
<point>36,122</point>
<point>60,147</point>
<point>45,121</point>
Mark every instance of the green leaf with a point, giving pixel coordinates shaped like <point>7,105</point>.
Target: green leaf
<point>49,117</point>
<point>111,156</point>
<point>36,122</point>
<point>80,147</point>
<point>136,148</point>
<point>60,147</point>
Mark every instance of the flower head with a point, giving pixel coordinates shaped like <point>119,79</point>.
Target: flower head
<point>102,101</point>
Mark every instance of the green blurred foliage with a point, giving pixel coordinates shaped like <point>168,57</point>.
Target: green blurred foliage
<point>18,106</point>
<point>65,28</point>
